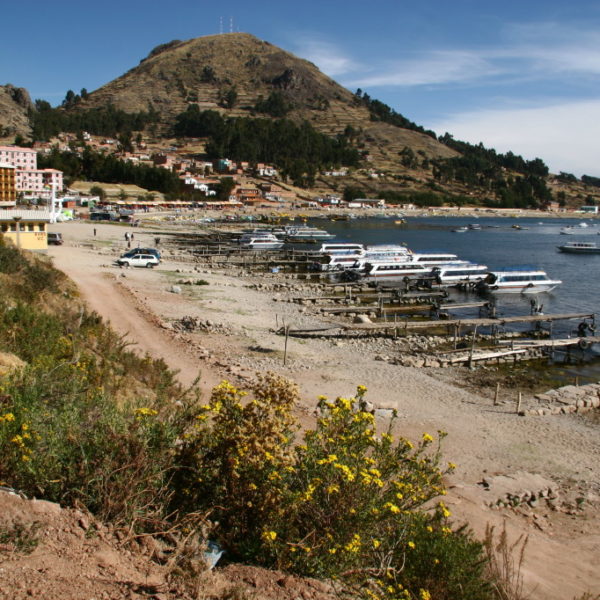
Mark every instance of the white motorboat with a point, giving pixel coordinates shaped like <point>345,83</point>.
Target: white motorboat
<point>377,272</point>
<point>257,234</point>
<point>579,229</point>
<point>359,258</point>
<point>519,281</point>
<point>263,243</point>
<point>341,248</point>
<point>460,272</point>
<point>435,259</point>
<point>580,248</point>
<point>304,233</point>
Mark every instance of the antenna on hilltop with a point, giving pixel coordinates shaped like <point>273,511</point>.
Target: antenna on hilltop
<point>221,25</point>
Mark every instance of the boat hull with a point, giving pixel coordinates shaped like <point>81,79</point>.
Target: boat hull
<point>521,289</point>
<point>569,250</point>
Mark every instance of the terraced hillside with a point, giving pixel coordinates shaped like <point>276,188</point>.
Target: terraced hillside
<point>205,70</point>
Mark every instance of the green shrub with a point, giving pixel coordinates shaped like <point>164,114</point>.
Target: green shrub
<point>345,503</point>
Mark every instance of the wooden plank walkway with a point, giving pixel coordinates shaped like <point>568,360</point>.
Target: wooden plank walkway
<point>551,343</point>
<point>480,322</point>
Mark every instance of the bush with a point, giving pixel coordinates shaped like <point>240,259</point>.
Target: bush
<point>345,503</point>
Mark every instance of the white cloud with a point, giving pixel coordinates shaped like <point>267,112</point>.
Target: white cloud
<point>565,136</point>
<point>435,67</point>
<point>533,52</point>
<point>552,48</point>
<point>327,56</point>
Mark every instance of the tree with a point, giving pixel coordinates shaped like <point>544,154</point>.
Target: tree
<point>96,190</point>
<point>69,98</point>
<point>224,187</point>
<point>228,99</point>
<point>84,94</point>
<point>208,75</point>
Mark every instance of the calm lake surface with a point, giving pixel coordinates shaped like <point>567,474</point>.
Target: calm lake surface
<point>498,245</point>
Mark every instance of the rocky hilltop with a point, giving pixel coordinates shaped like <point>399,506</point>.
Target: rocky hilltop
<point>15,104</point>
<point>204,70</point>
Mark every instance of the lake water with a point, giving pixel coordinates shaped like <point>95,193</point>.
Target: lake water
<point>498,245</point>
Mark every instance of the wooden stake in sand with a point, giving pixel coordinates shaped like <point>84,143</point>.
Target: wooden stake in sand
<point>497,394</point>
<point>519,402</point>
<point>472,347</point>
<point>287,332</point>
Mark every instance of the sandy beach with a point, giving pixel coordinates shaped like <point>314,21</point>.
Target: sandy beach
<point>236,316</point>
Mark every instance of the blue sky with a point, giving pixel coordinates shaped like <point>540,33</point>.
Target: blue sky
<point>515,75</point>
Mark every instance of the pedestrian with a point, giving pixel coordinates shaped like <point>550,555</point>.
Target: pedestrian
<point>129,244</point>
<point>131,236</point>
<point>156,241</point>
<point>94,232</point>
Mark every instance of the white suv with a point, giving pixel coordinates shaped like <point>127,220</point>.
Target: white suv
<point>139,260</point>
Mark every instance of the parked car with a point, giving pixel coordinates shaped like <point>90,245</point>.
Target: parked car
<point>139,260</point>
<point>135,251</point>
<point>55,239</point>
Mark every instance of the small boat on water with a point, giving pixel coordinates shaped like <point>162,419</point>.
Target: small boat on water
<point>575,229</point>
<point>434,259</point>
<point>460,230</point>
<point>460,272</point>
<point>304,233</point>
<point>520,280</point>
<point>263,243</point>
<point>580,248</point>
<point>341,248</point>
<point>379,272</point>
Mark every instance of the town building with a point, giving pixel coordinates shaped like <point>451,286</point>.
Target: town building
<point>28,178</point>
<point>8,190</point>
<point>27,229</point>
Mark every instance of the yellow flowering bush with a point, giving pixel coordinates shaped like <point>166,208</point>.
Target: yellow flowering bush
<point>346,502</point>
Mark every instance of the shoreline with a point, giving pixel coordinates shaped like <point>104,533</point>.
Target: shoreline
<point>236,316</point>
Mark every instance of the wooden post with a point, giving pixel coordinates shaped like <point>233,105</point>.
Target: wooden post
<point>287,331</point>
<point>497,394</point>
<point>456,333</point>
<point>519,402</point>
<point>472,348</point>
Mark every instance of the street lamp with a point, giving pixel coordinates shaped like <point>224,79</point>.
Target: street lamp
<point>17,219</point>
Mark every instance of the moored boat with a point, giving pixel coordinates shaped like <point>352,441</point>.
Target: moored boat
<point>305,233</point>
<point>520,280</point>
<point>263,242</point>
<point>375,272</point>
<point>580,248</point>
<point>460,273</point>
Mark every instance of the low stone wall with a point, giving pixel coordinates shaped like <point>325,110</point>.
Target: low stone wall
<point>566,400</point>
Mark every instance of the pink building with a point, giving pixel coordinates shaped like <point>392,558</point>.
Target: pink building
<point>28,178</point>
<point>39,180</point>
<point>20,158</point>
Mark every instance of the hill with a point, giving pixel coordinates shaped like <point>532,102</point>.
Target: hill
<point>233,73</point>
<point>15,104</point>
<point>193,95</point>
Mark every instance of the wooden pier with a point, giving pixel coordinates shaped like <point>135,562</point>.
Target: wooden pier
<point>453,323</point>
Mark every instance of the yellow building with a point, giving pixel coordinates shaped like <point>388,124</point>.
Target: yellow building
<point>8,186</point>
<point>27,229</point>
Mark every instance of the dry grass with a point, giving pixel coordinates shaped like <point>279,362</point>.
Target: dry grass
<point>505,562</point>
